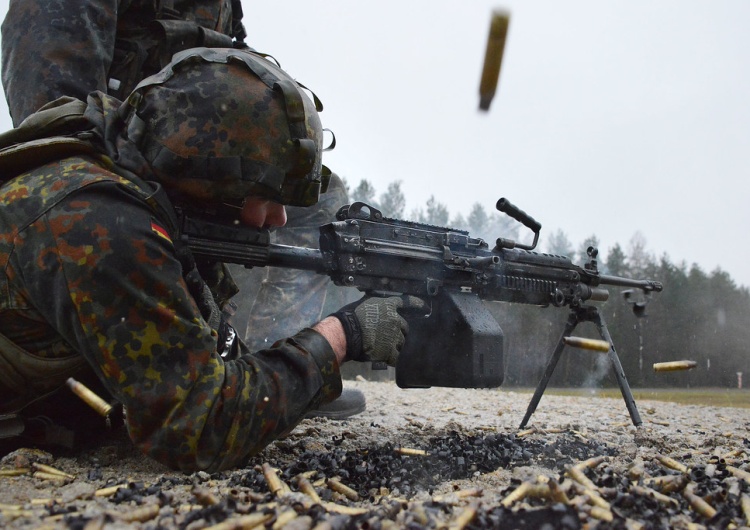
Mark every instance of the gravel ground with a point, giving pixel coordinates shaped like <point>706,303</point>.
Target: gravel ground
<point>432,458</point>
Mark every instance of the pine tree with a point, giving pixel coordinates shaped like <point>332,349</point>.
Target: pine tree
<point>364,192</point>
<point>436,213</point>
<point>460,223</point>
<point>616,263</point>
<point>638,257</point>
<point>478,220</point>
<point>559,244</point>
<point>393,202</point>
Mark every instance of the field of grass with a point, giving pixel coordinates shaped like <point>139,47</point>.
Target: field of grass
<point>716,397</point>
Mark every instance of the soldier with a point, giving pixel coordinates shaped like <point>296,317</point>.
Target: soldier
<point>110,45</point>
<point>96,284</point>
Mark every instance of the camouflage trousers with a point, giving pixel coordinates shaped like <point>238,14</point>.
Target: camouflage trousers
<point>275,303</point>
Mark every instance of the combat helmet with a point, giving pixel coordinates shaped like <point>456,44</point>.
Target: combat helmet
<point>217,125</point>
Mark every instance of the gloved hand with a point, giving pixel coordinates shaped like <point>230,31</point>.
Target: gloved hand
<point>375,331</point>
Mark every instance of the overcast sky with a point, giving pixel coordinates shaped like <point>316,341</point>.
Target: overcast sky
<point>611,117</point>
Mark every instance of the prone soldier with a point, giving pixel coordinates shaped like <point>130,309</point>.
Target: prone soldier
<point>111,45</point>
<point>97,286</point>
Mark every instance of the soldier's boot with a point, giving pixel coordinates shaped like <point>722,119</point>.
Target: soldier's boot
<point>276,302</point>
<point>350,403</point>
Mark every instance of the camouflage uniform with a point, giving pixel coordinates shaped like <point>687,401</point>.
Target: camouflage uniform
<point>79,46</point>
<point>91,281</point>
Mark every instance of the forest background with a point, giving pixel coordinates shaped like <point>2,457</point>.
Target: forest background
<point>700,316</point>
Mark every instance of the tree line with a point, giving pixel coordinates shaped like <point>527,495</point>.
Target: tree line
<point>700,316</point>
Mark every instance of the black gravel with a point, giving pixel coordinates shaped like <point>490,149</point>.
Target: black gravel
<point>454,456</point>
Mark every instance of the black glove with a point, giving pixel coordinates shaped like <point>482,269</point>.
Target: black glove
<point>375,331</point>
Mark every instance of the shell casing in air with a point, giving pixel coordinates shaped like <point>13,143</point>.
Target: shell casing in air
<point>493,58</point>
<point>89,397</point>
<point>587,344</point>
<point>674,366</point>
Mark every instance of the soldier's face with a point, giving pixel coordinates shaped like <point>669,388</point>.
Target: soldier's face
<point>262,213</point>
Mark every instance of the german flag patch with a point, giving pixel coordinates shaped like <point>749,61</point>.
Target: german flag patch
<point>160,231</point>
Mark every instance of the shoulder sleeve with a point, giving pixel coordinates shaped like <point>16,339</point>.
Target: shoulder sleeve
<point>117,294</point>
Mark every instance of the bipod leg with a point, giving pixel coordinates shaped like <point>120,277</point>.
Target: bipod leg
<point>627,395</point>
<point>573,321</point>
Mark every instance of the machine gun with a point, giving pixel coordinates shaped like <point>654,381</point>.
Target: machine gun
<point>457,343</point>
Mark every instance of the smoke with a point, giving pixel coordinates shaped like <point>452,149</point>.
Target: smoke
<point>601,368</point>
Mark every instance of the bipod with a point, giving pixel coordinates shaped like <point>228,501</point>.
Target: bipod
<point>578,315</point>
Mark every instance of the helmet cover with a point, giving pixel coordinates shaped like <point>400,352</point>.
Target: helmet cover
<point>220,125</point>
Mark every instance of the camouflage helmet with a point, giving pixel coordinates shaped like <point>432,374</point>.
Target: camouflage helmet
<point>219,125</point>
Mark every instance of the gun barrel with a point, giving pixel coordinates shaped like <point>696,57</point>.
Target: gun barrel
<point>309,259</point>
<point>645,285</point>
<point>228,251</point>
<point>261,255</point>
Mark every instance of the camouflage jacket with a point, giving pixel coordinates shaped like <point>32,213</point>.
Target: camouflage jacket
<point>53,48</point>
<point>88,268</point>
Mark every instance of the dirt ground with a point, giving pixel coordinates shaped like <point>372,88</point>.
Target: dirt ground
<point>432,458</point>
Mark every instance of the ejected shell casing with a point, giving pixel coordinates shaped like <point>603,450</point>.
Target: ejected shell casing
<point>674,366</point>
<point>602,514</point>
<point>745,504</point>
<point>557,493</point>
<point>252,520</point>
<point>648,492</point>
<point>739,473</point>
<point>109,490</point>
<point>407,451</point>
<point>668,483</point>
<point>338,486</point>
<point>463,494</point>
<point>275,484</point>
<point>14,472</point>
<point>698,503</point>
<point>308,489</point>
<point>50,470</point>
<point>54,477</point>
<point>283,518</point>
<point>89,397</point>
<point>493,57</point>
<point>591,462</point>
<point>516,495</point>
<point>204,497</point>
<point>141,514</point>
<point>344,510</point>
<point>463,519</point>
<point>587,344</point>
<point>671,463</point>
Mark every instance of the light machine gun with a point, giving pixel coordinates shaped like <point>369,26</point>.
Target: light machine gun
<point>457,343</point>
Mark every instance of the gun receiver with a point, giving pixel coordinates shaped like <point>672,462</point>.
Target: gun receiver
<point>458,343</point>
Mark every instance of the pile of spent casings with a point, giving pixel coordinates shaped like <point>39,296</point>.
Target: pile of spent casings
<point>574,483</point>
